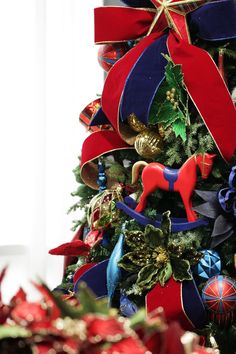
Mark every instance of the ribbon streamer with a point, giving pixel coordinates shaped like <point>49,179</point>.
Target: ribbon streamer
<point>148,73</point>
<point>177,299</point>
<point>94,146</point>
<point>121,24</point>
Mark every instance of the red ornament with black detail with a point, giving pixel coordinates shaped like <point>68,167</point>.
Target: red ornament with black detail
<point>109,54</point>
<point>219,297</point>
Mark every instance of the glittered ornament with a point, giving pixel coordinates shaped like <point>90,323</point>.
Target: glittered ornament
<point>219,297</point>
<point>102,209</point>
<point>148,144</point>
<point>209,265</point>
<point>109,54</point>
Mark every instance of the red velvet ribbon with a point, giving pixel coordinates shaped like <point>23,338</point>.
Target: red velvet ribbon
<point>118,24</point>
<point>170,299</point>
<point>208,91</point>
<point>83,269</point>
<point>96,145</point>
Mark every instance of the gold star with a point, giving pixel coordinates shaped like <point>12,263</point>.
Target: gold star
<point>172,14</point>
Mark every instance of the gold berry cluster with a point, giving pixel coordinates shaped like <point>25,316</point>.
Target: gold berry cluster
<point>171,96</point>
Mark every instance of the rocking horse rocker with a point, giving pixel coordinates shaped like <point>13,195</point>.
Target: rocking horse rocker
<point>183,180</point>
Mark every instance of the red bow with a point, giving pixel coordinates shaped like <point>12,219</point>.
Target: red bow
<point>202,78</point>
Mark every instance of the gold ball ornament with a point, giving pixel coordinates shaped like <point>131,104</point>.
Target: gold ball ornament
<point>102,209</point>
<point>135,124</point>
<point>148,144</point>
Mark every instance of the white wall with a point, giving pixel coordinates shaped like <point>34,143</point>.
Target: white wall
<point>48,73</point>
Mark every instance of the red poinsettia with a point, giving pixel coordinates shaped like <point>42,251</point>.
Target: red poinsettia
<point>74,248</point>
<point>125,346</point>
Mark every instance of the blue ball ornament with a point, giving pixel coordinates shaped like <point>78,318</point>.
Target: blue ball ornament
<point>209,265</point>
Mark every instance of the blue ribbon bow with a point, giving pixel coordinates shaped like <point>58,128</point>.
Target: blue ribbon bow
<point>227,196</point>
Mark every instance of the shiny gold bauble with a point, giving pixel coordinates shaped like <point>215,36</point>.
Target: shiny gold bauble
<point>148,144</point>
<point>135,124</point>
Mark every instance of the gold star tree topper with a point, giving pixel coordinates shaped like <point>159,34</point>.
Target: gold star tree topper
<point>172,13</point>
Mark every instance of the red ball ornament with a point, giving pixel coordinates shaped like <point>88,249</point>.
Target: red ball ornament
<point>219,297</point>
<point>109,54</point>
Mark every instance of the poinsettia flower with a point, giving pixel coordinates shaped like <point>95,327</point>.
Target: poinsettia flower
<point>5,310</point>
<point>74,248</point>
<point>125,346</point>
<point>221,207</point>
<point>104,328</point>
<point>57,346</point>
<point>155,257</point>
<point>167,341</point>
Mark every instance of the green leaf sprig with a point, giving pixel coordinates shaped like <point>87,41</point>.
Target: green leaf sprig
<point>170,106</point>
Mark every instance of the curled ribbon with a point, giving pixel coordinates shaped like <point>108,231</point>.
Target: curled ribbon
<point>134,80</point>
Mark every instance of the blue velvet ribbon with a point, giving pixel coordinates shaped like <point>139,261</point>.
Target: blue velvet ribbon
<point>213,21</point>
<point>144,81</point>
<point>96,279</point>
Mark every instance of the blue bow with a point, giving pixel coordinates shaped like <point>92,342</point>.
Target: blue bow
<point>227,196</point>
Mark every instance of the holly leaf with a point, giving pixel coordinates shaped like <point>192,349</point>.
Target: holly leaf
<point>179,129</point>
<point>167,115</point>
<point>165,274</point>
<point>174,76</point>
<point>162,110</point>
<point>160,107</point>
<point>181,269</point>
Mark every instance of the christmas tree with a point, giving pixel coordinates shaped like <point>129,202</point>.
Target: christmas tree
<point>157,183</point>
<point>157,176</point>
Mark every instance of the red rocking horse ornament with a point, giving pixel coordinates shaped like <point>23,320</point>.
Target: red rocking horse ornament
<point>183,180</point>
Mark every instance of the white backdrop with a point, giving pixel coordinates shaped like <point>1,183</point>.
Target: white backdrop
<point>48,73</point>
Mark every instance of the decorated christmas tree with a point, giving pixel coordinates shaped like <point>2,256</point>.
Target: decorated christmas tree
<point>157,184</point>
<point>157,175</point>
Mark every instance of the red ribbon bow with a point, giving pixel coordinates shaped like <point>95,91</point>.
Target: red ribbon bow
<point>203,81</point>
